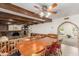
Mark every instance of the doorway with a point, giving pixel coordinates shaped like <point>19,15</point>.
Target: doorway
<point>68,33</point>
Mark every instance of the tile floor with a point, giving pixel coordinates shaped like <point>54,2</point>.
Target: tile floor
<point>69,50</point>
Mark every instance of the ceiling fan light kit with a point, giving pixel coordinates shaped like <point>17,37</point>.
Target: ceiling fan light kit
<point>52,6</point>
<point>45,14</point>
<point>42,14</point>
<point>48,14</point>
<point>48,10</point>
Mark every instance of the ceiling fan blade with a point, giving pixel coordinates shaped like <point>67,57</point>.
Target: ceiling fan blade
<point>54,13</point>
<point>52,6</point>
<point>39,7</point>
<point>36,7</point>
<point>57,12</point>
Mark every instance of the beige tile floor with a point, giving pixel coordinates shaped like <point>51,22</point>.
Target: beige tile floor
<point>69,50</point>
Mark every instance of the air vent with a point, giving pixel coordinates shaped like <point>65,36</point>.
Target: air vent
<point>66,18</point>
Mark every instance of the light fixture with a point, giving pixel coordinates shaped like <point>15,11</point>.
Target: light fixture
<point>42,14</point>
<point>45,14</point>
<point>48,14</point>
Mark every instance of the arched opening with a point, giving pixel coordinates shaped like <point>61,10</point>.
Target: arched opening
<point>68,34</point>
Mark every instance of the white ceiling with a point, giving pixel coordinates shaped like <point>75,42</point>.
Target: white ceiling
<point>67,9</point>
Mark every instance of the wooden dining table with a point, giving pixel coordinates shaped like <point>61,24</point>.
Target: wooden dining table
<point>32,47</point>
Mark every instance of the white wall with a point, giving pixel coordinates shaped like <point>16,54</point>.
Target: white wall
<point>15,27</point>
<point>51,27</point>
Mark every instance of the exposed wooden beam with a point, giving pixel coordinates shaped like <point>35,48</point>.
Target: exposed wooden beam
<point>18,17</point>
<point>18,9</point>
<point>14,20</point>
<point>5,21</point>
<point>21,19</point>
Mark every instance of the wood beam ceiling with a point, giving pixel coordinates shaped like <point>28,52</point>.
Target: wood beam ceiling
<point>18,9</point>
<point>5,21</point>
<point>18,19</point>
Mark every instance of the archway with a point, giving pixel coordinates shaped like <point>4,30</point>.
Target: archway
<point>68,33</point>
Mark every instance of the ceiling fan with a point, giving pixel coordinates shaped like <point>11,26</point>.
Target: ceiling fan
<point>50,9</point>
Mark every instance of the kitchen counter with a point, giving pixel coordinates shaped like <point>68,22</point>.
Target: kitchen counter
<point>31,47</point>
